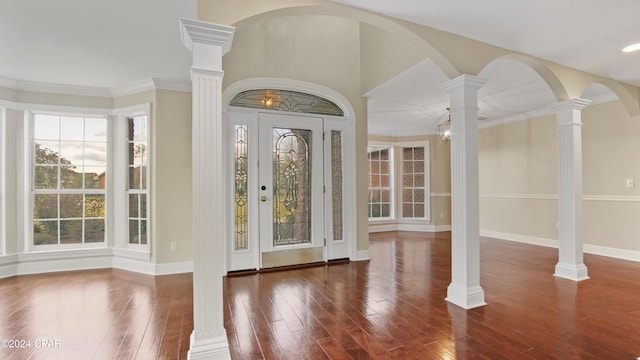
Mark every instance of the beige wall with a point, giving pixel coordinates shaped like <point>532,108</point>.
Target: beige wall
<point>172,176</point>
<point>518,177</point>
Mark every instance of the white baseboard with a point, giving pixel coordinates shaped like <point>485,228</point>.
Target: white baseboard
<point>362,255</point>
<point>174,268</point>
<point>73,260</point>
<point>375,228</point>
<point>622,254</point>
<point>8,266</point>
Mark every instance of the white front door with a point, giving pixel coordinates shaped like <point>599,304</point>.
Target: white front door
<point>287,190</point>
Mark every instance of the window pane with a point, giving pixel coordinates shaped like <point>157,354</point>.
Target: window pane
<point>95,177</point>
<point>45,232</point>
<point>71,206</point>
<point>70,231</point>
<point>45,177</point>
<point>95,129</point>
<point>94,206</point>
<point>46,152</point>
<point>336,183</point>
<point>143,232</point>
<point>95,153</point>
<point>70,177</point>
<point>45,206</point>
<point>134,178</point>
<point>133,206</point>
<point>71,152</point>
<point>71,128</point>
<point>134,237</point>
<point>386,210</point>
<point>45,127</point>
<point>419,212</point>
<point>94,230</point>
<point>143,206</point>
<point>143,177</point>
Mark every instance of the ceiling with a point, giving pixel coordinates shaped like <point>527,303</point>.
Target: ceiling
<point>107,44</point>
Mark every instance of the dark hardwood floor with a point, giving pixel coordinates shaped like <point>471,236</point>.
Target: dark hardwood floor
<point>389,308</point>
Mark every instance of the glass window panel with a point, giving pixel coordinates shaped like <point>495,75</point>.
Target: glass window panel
<point>418,195</point>
<point>418,153</point>
<point>95,153</point>
<point>143,177</point>
<point>407,210</point>
<point>385,210</point>
<point>419,180</point>
<point>385,195</point>
<point>45,206</point>
<point>407,180</point>
<point>70,205</point>
<point>241,185</point>
<point>407,195</point>
<point>286,100</point>
<point>133,205</point>
<point>139,125</point>
<point>45,177</point>
<point>143,205</point>
<point>46,152</point>
<point>384,154</point>
<point>46,127</point>
<point>384,167</point>
<point>95,177</point>
<point>71,152</point>
<point>94,206</point>
<point>94,230</point>
<point>71,128</point>
<point>70,231</point>
<point>139,153</point>
<point>134,177</point>
<point>134,235</point>
<point>419,210</point>
<point>143,231</point>
<point>419,167</point>
<point>71,177</point>
<point>95,129</point>
<point>384,181</point>
<point>45,232</point>
<point>407,153</point>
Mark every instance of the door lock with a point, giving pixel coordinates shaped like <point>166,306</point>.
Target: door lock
<point>263,198</point>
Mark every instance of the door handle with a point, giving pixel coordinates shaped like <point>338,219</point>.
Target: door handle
<point>263,198</point>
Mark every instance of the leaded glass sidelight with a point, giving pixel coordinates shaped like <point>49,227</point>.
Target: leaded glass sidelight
<point>241,172</point>
<point>379,181</point>
<point>336,184</point>
<point>286,100</point>
<point>291,186</point>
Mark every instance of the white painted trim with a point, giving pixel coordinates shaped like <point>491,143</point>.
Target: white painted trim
<point>406,226</point>
<point>134,265</point>
<point>133,88</point>
<point>623,254</point>
<point>173,268</point>
<point>43,87</point>
<point>36,263</point>
<point>440,194</point>
<point>8,266</point>
<point>362,255</point>
<point>608,198</point>
<point>3,186</point>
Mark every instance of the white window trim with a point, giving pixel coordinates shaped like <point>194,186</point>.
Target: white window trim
<point>3,183</point>
<point>427,182</point>
<point>396,220</point>
<point>120,173</point>
<point>27,180</point>
<point>392,186</point>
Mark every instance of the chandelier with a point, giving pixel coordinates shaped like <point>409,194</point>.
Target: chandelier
<point>444,129</point>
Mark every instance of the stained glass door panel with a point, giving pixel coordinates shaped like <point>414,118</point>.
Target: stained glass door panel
<point>291,210</point>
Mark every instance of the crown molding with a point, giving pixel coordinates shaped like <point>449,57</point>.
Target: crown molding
<point>42,87</point>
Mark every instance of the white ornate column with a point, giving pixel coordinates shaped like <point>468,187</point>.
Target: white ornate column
<point>569,121</point>
<point>208,43</point>
<point>464,290</point>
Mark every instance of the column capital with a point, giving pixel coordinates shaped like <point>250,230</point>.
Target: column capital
<point>464,81</point>
<point>571,104</point>
<point>195,31</point>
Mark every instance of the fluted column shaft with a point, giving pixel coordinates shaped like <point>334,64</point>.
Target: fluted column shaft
<point>208,42</point>
<point>570,220</point>
<point>464,290</point>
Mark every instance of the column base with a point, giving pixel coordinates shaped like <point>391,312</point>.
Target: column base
<point>216,348</point>
<point>572,272</point>
<point>466,298</point>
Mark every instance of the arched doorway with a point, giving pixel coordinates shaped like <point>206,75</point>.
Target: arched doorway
<point>292,188</point>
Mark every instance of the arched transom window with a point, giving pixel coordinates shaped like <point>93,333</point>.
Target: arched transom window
<point>286,100</point>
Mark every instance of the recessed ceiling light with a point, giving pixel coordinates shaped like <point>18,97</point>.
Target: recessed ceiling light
<point>632,47</point>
